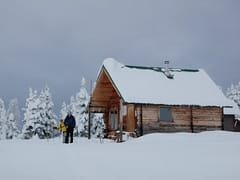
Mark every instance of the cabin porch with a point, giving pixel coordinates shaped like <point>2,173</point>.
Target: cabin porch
<point>120,120</point>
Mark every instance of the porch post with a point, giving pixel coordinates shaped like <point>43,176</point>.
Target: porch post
<point>222,120</point>
<point>191,119</point>
<point>89,123</point>
<point>141,121</point>
<point>121,121</point>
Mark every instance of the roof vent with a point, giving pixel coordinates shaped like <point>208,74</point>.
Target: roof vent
<point>166,70</point>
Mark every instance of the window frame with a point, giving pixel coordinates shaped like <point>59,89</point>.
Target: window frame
<point>165,114</point>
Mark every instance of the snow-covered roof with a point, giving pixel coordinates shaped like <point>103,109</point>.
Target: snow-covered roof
<point>149,85</point>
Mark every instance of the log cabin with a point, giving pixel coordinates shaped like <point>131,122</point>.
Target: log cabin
<point>141,100</point>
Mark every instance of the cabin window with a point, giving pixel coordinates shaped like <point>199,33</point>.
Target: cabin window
<point>114,120</point>
<point>166,114</point>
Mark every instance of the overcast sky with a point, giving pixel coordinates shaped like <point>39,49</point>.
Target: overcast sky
<point>56,42</point>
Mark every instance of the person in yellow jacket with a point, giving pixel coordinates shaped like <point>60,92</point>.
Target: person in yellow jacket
<point>61,127</point>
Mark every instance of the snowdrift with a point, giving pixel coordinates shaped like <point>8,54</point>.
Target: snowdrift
<point>208,155</point>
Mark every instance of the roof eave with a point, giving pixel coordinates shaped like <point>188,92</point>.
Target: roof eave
<point>176,105</point>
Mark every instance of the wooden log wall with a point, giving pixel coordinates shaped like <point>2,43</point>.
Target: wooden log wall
<point>130,119</point>
<point>207,119</point>
<point>151,120</point>
<point>185,119</point>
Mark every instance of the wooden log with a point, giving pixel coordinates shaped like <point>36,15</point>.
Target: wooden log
<point>130,118</point>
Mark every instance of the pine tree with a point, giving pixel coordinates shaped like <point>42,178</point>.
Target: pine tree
<point>78,107</point>
<point>13,115</point>
<point>39,118</point>
<point>234,93</point>
<point>48,118</point>
<point>31,115</point>
<point>72,103</point>
<point>97,126</point>
<point>2,120</point>
<point>64,111</point>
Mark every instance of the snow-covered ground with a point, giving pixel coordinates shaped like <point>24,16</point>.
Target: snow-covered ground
<point>203,156</point>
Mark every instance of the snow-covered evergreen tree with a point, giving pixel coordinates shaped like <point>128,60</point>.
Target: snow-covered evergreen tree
<point>48,118</point>
<point>39,118</point>
<point>70,107</point>
<point>234,93</point>
<point>2,120</point>
<point>31,115</point>
<point>64,111</point>
<point>97,126</point>
<point>78,107</point>
<point>13,115</point>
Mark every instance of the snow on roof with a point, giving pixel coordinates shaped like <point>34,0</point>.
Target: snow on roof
<point>151,85</point>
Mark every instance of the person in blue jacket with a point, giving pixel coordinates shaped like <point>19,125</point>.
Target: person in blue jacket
<point>70,123</point>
